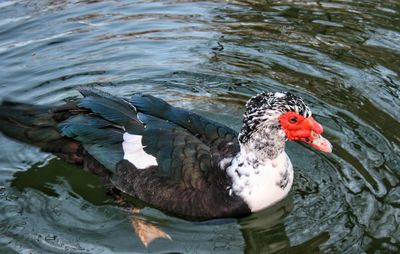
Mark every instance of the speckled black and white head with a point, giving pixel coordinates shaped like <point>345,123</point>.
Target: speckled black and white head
<point>272,118</point>
<point>261,172</point>
<point>266,106</point>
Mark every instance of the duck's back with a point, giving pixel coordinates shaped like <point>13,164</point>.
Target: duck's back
<point>165,156</point>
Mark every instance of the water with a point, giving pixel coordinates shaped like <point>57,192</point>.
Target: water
<point>342,57</point>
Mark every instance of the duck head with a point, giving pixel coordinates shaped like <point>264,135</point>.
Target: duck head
<point>272,118</point>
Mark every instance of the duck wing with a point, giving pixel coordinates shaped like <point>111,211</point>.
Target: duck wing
<point>114,130</point>
<point>184,180</point>
<point>98,121</point>
<point>168,157</point>
<point>208,131</point>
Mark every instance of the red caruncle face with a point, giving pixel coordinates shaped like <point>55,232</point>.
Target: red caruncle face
<point>298,127</point>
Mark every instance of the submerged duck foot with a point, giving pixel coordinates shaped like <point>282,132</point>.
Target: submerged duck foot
<point>147,231</point>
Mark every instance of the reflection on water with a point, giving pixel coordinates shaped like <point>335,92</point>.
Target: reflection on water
<point>210,56</point>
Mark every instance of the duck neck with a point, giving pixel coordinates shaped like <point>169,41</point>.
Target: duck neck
<point>265,143</point>
<point>261,172</point>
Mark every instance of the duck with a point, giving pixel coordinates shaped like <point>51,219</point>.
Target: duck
<point>172,159</point>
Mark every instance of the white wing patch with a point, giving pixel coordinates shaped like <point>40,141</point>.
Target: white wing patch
<point>134,153</point>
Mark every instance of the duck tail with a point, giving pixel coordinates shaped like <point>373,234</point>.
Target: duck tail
<point>37,125</point>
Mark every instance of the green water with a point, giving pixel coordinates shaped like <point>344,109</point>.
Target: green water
<point>342,57</point>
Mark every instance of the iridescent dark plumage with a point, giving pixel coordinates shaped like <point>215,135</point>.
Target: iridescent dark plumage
<point>89,132</point>
<point>172,159</point>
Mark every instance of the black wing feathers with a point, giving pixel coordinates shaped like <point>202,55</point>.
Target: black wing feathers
<point>98,136</point>
<point>208,131</point>
<point>111,108</point>
<point>187,147</point>
<point>179,154</point>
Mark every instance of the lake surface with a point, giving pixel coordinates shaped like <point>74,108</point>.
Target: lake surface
<point>342,57</point>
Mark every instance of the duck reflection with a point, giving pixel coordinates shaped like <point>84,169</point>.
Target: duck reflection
<point>262,232</point>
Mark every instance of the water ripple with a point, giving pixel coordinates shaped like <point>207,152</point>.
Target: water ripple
<point>210,57</point>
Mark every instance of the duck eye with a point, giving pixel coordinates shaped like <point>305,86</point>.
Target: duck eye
<point>293,119</point>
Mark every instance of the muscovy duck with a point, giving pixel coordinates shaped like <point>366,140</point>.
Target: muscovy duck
<point>172,159</point>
